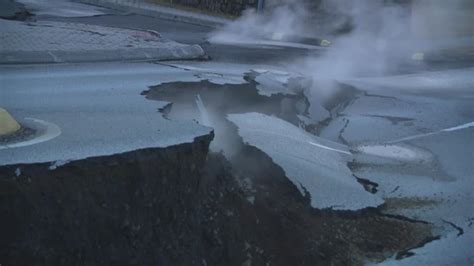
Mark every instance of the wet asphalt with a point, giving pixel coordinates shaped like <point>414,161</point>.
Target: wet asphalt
<point>373,116</point>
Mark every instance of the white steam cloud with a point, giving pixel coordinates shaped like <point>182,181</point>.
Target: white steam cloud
<point>283,20</point>
<point>379,41</point>
<point>369,37</point>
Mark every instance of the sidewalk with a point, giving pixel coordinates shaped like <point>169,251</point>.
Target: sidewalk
<point>56,42</point>
<point>160,11</point>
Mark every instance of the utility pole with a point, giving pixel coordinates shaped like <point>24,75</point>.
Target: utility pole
<point>260,6</point>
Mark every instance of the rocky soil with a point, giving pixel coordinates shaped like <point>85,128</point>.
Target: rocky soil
<point>182,206</point>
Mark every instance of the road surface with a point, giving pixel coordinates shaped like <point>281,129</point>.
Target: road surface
<point>400,145</point>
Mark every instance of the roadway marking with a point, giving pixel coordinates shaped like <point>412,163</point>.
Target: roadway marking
<point>467,125</point>
<point>329,148</point>
<point>451,129</point>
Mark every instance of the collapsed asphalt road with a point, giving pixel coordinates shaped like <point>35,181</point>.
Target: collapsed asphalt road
<point>244,205</point>
<point>418,162</point>
<point>225,164</point>
<point>175,204</point>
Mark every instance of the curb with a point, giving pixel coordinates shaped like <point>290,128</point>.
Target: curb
<point>140,7</point>
<point>8,125</point>
<point>188,52</point>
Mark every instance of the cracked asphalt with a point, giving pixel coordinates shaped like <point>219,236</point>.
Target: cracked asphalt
<point>410,136</point>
